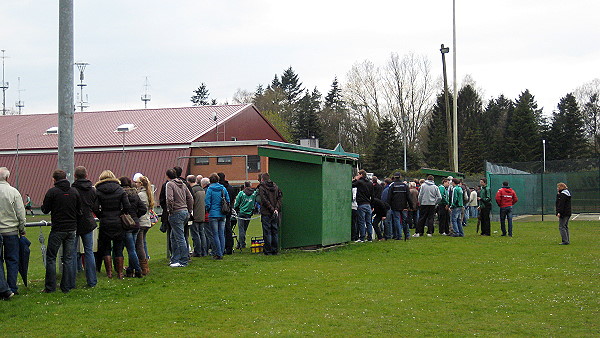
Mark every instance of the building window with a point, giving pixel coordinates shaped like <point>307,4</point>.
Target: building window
<point>253,163</point>
<point>224,160</point>
<point>201,161</point>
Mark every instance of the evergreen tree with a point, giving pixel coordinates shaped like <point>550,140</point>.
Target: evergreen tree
<point>436,153</point>
<point>566,137</point>
<point>523,140</point>
<point>306,120</point>
<point>291,85</point>
<point>200,97</point>
<point>591,112</point>
<point>335,122</point>
<point>386,152</point>
<point>493,127</point>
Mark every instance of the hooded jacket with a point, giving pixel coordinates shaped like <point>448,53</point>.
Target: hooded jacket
<point>429,194</point>
<point>178,196</point>
<point>137,208</point>
<point>270,198</point>
<point>87,192</point>
<point>506,197</point>
<point>244,202</point>
<point>112,202</point>
<point>212,200</point>
<point>364,191</point>
<point>12,210</point>
<point>563,203</point>
<point>199,195</point>
<point>64,204</point>
<point>457,197</point>
<point>444,195</point>
<point>145,218</point>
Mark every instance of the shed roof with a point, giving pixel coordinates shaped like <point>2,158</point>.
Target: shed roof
<point>98,129</point>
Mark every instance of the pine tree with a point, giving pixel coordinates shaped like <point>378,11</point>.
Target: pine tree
<point>566,137</point>
<point>334,120</point>
<point>493,126</point>
<point>200,97</point>
<point>386,152</point>
<point>306,120</point>
<point>523,140</point>
<point>436,153</point>
<point>291,85</point>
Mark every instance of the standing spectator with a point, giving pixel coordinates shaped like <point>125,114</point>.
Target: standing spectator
<point>380,209</point>
<point>86,224</point>
<point>29,205</point>
<point>563,212</point>
<point>64,204</point>
<point>137,209</point>
<point>473,204</point>
<point>112,202</point>
<point>429,196</point>
<point>466,199</point>
<point>443,208</point>
<point>208,234</point>
<point>364,198</point>
<point>244,204</point>
<point>214,194</point>
<point>199,216</point>
<point>270,207</point>
<point>485,207</point>
<point>354,229</point>
<point>456,207</point>
<point>228,226</point>
<point>506,198</point>
<point>399,199</point>
<point>387,223</point>
<point>413,209</point>
<point>12,224</point>
<point>377,188</point>
<point>147,197</point>
<point>180,204</point>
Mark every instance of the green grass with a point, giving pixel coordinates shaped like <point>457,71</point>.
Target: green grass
<point>521,286</point>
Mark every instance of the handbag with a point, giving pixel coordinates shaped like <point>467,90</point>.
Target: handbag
<point>225,207</point>
<point>153,217</point>
<point>127,222</point>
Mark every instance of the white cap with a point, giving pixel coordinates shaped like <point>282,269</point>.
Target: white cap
<point>137,176</point>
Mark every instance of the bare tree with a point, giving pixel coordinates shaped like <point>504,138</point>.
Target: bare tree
<point>242,96</point>
<point>588,99</point>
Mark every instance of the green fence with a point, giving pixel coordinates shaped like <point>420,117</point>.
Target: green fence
<point>536,188</point>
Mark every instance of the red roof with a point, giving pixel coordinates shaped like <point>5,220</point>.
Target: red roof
<point>97,129</point>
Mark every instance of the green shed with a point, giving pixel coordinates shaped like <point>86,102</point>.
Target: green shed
<point>438,175</point>
<point>317,193</point>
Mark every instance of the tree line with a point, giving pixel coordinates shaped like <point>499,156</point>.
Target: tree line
<point>377,109</point>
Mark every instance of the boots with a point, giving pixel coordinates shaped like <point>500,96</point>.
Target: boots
<point>128,272</point>
<point>144,266</point>
<point>119,263</point>
<point>108,265</point>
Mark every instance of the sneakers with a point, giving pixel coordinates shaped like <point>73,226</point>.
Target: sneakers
<point>358,241</point>
<point>176,265</point>
<point>6,295</point>
<point>416,235</point>
<point>444,234</point>
<point>429,235</point>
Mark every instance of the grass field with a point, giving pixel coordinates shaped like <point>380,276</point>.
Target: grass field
<point>527,285</point>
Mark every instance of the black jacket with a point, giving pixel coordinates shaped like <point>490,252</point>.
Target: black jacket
<point>87,192</point>
<point>112,202</point>
<point>64,204</point>
<point>563,203</point>
<point>377,190</point>
<point>364,191</point>
<point>137,208</point>
<point>398,196</point>
<point>380,208</point>
<point>230,191</point>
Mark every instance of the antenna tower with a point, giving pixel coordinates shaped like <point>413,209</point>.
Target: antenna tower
<point>146,97</point>
<point>20,104</point>
<point>82,103</point>
<point>3,85</point>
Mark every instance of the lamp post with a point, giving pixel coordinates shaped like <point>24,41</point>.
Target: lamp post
<point>445,50</point>
<point>405,121</point>
<point>454,108</point>
<point>543,172</point>
<point>123,154</point>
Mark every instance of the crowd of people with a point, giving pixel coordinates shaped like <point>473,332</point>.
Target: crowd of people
<point>206,208</point>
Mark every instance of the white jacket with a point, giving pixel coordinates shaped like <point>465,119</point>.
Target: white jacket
<point>12,210</point>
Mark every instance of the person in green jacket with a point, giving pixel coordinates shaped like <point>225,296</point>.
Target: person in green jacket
<point>244,205</point>
<point>456,205</point>
<point>443,210</point>
<point>485,207</point>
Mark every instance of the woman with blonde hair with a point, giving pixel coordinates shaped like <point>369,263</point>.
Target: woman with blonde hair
<point>112,202</point>
<point>563,212</point>
<point>147,196</point>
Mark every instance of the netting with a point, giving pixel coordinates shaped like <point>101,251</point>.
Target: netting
<point>536,188</point>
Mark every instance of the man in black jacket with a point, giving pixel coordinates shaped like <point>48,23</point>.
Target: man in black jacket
<point>64,204</point>
<point>398,199</point>
<point>86,224</point>
<point>364,198</point>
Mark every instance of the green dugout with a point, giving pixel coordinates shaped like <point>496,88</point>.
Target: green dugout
<point>317,193</point>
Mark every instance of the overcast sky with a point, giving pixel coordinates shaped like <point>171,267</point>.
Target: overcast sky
<point>549,47</point>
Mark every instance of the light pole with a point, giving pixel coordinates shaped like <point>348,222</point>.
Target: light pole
<point>455,94</point>
<point>405,121</point>
<point>123,154</point>
<point>445,50</point>
<point>543,172</point>
<point>66,108</point>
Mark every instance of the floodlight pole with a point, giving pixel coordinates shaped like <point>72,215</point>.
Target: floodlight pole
<point>454,100</point>
<point>66,158</point>
<point>543,172</point>
<point>445,50</point>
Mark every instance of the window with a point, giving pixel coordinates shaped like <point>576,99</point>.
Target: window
<point>201,161</point>
<point>253,163</point>
<point>224,160</point>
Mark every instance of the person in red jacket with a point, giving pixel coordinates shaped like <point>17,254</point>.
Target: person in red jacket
<point>506,198</point>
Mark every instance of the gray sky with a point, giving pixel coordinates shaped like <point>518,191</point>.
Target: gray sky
<point>549,47</point>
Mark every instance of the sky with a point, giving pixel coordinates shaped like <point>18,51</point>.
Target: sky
<point>547,46</point>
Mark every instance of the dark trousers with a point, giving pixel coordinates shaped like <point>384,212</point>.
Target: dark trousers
<point>228,236</point>
<point>3,284</point>
<point>426,216</point>
<point>412,218</point>
<point>55,240</point>
<point>10,254</point>
<point>270,226</point>
<point>443,219</point>
<point>377,226</point>
<point>484,213</point>
<point>108,246</point>
<point>354,229</point>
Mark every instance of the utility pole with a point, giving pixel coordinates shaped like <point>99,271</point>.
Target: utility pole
<point>66,108</point>
<point>454,101</point>
<point>444,51</point>
<point>4,86</point>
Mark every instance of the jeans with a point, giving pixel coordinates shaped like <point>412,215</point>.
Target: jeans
<point>243,222</point>
<point>199,239</point>
<point>134,262</point>
<point>11,258</point>
<point>364,220</point>
<point>387,225</point>
<point>55,240</point>
<point>179,250</point>
<point>400,225</point>
<point>456,222</point>
<point>90,262</point>
<point>506,212</point>
<point>217,225</point>
<point>3,284</point>
<point>210,240</point>
<point>140,243</point>
<point>270,227</point>
<point>563,227</point>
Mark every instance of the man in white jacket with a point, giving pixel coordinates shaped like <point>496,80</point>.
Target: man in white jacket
<point>429,196</point>
<point>12,224</point>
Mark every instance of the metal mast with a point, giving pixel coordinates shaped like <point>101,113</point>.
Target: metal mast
<point>146,97</point>
<point>66,108</point>
<point>82,103</point>
<point>19,104</point>
<point>4,86</point>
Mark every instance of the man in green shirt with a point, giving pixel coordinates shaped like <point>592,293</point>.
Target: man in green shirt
<point>485,207</point>
<point>456,205</point>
